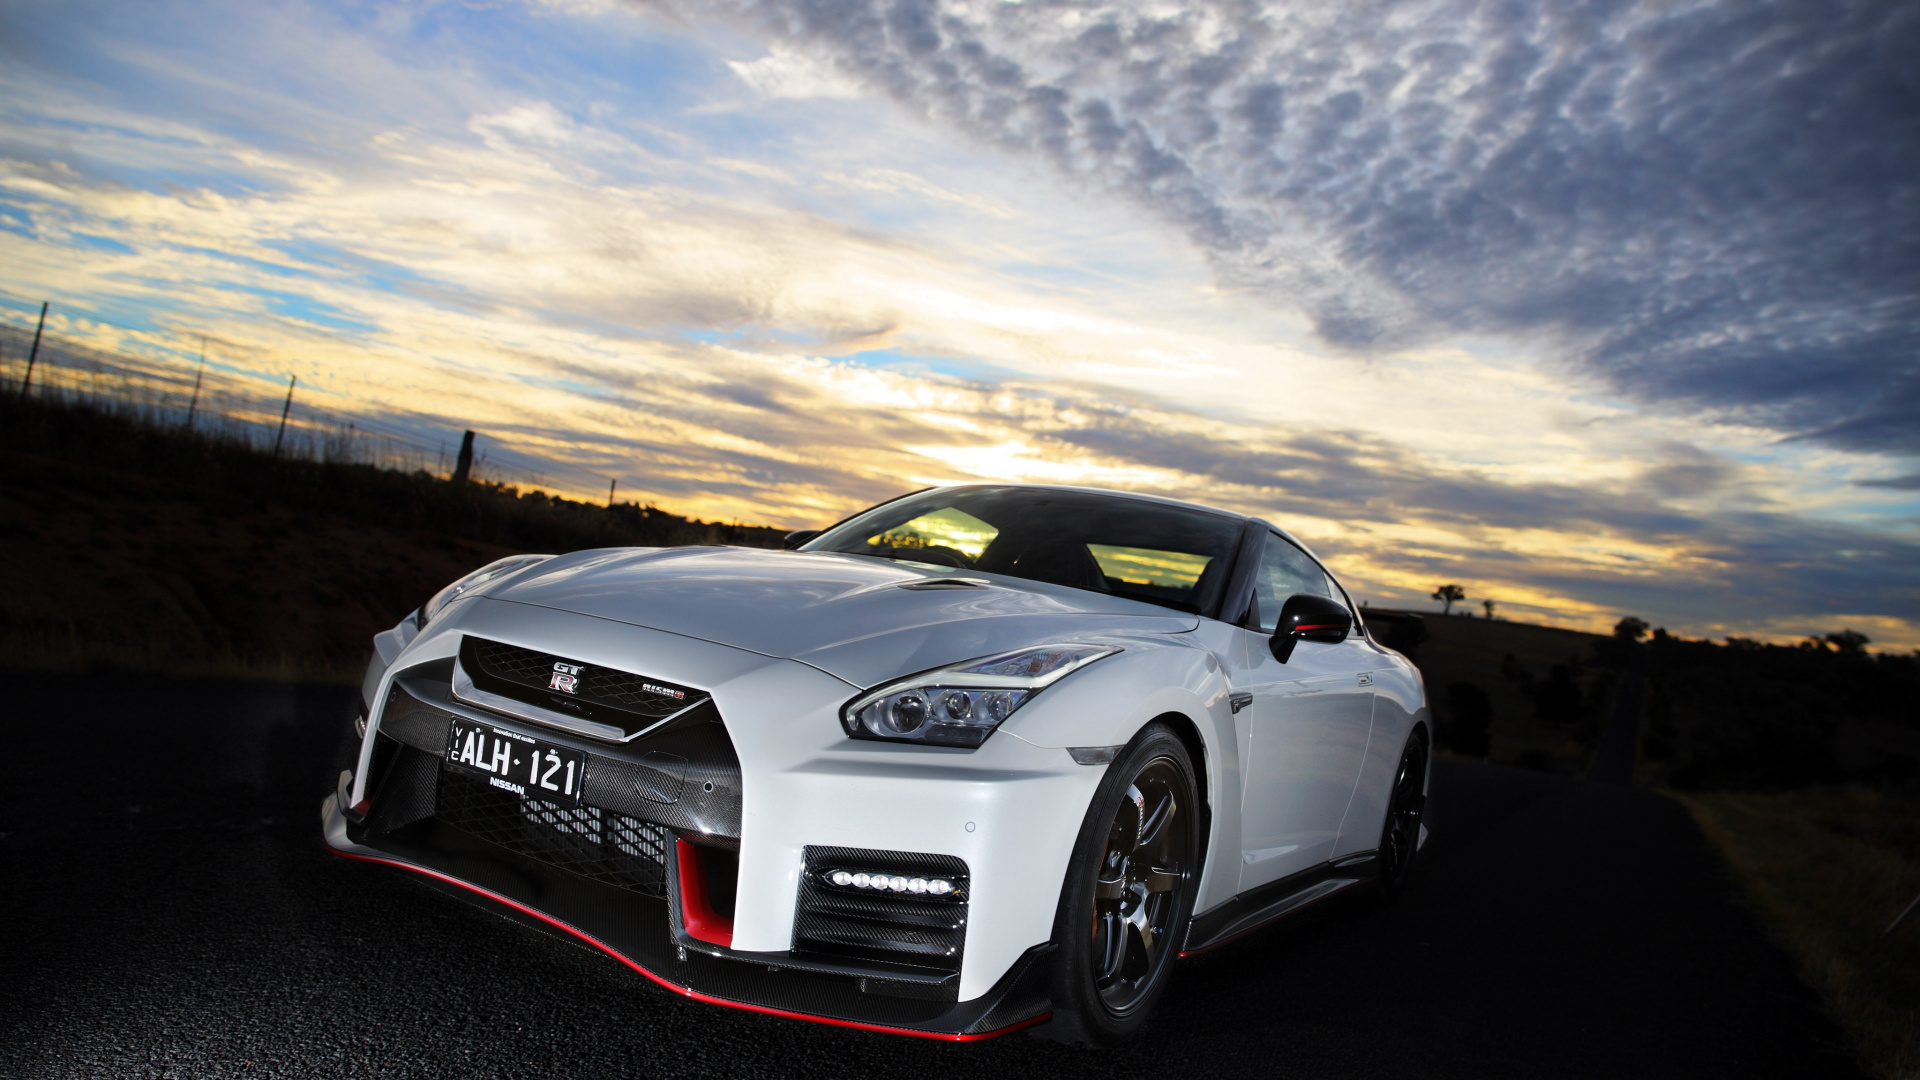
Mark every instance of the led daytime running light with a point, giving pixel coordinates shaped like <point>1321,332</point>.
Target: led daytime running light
<point>900,883</point>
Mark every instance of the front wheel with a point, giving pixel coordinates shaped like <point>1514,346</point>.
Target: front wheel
<point>1128,893</point>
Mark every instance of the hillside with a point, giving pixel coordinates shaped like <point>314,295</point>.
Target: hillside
<point>1508,661</point>
<point>127,545</point>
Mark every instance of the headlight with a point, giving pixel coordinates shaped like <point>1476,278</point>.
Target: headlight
<point>490,572</point>
<point>962,705</point>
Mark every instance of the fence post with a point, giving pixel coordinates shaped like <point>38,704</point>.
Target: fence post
<point>27,383</point>
<point>197,376</point>
<point>284,410</point>
<point>464,466</point>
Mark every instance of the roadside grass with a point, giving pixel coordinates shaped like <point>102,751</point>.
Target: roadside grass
<point>1829,868</point>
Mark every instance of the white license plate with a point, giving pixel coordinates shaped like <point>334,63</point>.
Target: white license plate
<point>517,762</point>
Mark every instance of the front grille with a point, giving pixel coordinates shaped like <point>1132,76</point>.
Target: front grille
<point>918,931</point>
<point>531,676</point>
<point>594,843</point>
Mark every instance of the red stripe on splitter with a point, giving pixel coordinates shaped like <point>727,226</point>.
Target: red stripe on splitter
<point>673,986</point>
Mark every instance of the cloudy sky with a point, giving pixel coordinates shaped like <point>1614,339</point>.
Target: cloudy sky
<point>1595,308</point>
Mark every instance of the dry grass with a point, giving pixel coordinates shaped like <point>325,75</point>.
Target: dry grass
<point>1829,869</point>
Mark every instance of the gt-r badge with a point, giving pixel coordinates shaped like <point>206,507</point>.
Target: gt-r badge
<point>565,677</point>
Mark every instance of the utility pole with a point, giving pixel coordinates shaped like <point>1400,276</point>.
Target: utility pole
<point>27,383</point>
<point>611,484</point>
<point>284,410</point>
<point>197,376</point>
<point>464,466</point>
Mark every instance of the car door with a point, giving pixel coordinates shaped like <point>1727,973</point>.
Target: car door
<point>1307,722</point>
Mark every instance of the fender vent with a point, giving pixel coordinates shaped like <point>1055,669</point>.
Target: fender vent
<point>920,930</point>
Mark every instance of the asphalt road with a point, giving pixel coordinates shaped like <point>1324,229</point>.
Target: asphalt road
<point>169,911</point>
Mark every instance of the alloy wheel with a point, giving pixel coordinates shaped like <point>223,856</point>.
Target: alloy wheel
<point>1138,888</point>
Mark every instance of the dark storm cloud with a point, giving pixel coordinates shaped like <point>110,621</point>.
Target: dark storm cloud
<point>1897,483</point>
<point>1709,205</point>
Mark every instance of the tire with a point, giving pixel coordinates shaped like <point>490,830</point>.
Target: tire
<point>1128,893</point>
<point>1406,809</point>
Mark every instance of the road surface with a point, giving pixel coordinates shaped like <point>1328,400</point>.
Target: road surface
<point>171,912</point>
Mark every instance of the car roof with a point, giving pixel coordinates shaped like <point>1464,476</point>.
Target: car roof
<point>1135,495</point>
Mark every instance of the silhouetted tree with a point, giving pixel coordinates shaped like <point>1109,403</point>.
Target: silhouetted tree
<point>1450,595</point>
<point>1849,641</point>
<point>1632,628</point>
<point>1489,605</point>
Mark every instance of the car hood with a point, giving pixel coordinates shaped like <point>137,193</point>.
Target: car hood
<point>848,615</point>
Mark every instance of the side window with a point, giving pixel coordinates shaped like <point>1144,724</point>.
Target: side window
<point>1284,570</point>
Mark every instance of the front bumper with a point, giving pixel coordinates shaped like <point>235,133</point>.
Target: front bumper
<point>809,795</point>
<point>635,931</point>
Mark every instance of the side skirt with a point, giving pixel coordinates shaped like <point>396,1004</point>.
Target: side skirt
<point>1255,908</point>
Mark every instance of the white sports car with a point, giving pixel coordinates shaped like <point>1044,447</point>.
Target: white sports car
<point>971,759</point>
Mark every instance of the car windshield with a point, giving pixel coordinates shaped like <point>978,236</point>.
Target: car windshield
<point>1174,556</point>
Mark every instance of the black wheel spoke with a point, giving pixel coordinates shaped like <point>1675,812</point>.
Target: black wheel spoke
<point>1143,939</point>
<point>1110,947</point>
<point>1155,825</point>
<point>1124,837</point>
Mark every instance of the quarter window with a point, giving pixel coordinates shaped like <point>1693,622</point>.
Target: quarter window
<point>1284,570</point>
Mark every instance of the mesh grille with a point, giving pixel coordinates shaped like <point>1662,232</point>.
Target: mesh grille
<point>899,928</point>
<point>596,844</point>
<point>531,670</point>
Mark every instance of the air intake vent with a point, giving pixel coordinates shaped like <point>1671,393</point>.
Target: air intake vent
<point>586,840</point>
<point>908,909</point>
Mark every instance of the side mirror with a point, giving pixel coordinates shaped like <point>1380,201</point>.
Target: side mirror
<point>1307,617</point>
<point>799,536</point>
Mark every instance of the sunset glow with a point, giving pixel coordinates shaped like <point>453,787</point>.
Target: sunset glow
<point>751,275</point>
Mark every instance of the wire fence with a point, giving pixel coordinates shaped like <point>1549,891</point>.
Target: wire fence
<point>177,379</point>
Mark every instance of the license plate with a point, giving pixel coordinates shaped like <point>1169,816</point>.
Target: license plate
<point>512,761</point>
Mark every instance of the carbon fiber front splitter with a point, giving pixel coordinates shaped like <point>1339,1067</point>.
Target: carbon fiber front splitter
<point>634,930</point>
